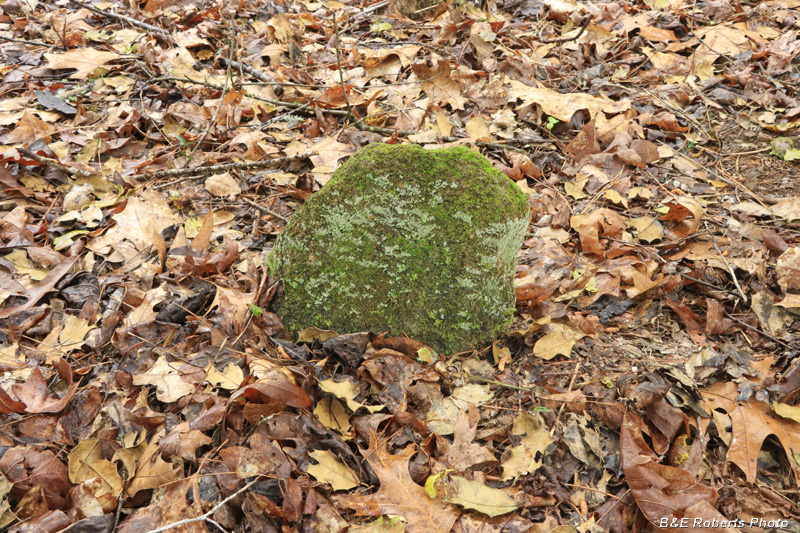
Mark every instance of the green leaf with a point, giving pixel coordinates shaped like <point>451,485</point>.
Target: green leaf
<point>380,26</point>
<point>181,140</point>
<point>256,311</point>
<point>430,483</point>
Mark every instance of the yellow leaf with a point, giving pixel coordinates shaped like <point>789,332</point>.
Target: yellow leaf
<point>167,379</point>
<point>478,129</point>
<point>478,497</point>
<point>559,340</point>
<point>575,189</point>
<point>639,192</point>
<point>75,330</point>
<point>526,457</point>
<point>786,411</point>
<point>615,197</point>
<point>229,380</point>
<point>86,462</point>
<point>332,414</point>
<point>22,265</point>
<point>648,229</point>
<point>84,60</point>
<point>347,390</point>
<point>315,334</point>
<point>330,469</point>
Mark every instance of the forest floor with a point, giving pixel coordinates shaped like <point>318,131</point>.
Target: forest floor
<point>152,151</point>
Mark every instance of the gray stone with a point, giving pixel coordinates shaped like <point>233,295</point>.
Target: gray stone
<point>414,241</point>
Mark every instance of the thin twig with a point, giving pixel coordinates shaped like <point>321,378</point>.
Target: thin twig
<point>123,18</point>
<point>52,163</point>
<point>32,43</point>
<point>204,171</point>
<point>730,268</point>
<point>566,39</point>
<point>499,383</point>
<point>225,90</point>
<point>205,516</point>
<point>709,285</point>
<point>563,405</point>
<point>279,84</point>
<point>257,74</point>
<point>365,13</point>
<point>759,331</point>
<point>266,210</point>
<point>121,497</point>
<point>262,126</point>
<point>293,105</point>
<point>339,66</point>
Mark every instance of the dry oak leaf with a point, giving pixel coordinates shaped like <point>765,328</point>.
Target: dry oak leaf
<point>561,106</point>
<point>173,507</point>
<point>27,468</point>
<point>535,439</point>
<point>663,491</point>
<point>788,208</point>
<point>36,396</point>
<point>29,129</point>
<point>332,470</point>
<point>151,470</point>
<point>751,423</point>
<point>439,85</point>
<point>787,269</point>
<point>168,380</point>
<point>85,61</point>
<point>558,340</point>
<point>98,476</point>
<point>399,495</point>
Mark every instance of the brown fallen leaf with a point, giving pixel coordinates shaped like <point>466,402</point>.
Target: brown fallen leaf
<point>46,284</point>
<point>332,470</point>
<point>534,441</point>
<point>151,470</point>
<point>35,393</point>
<point>174,506</point>
<point>752,422</point>
<point>464,453</point>
<point>664,494</point>
<point>84,60</point>
<point>584,143</point>
<point>787,270</point>
<point>29,468</point>
<point>399,495</point>
<point>86,463</point>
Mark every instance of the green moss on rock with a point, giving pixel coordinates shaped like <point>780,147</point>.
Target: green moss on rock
<point>407,240</point>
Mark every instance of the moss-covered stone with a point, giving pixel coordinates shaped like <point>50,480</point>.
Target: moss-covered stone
<point>408,240</point>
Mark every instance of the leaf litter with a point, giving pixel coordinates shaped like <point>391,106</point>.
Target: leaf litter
<point>151,155</point>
